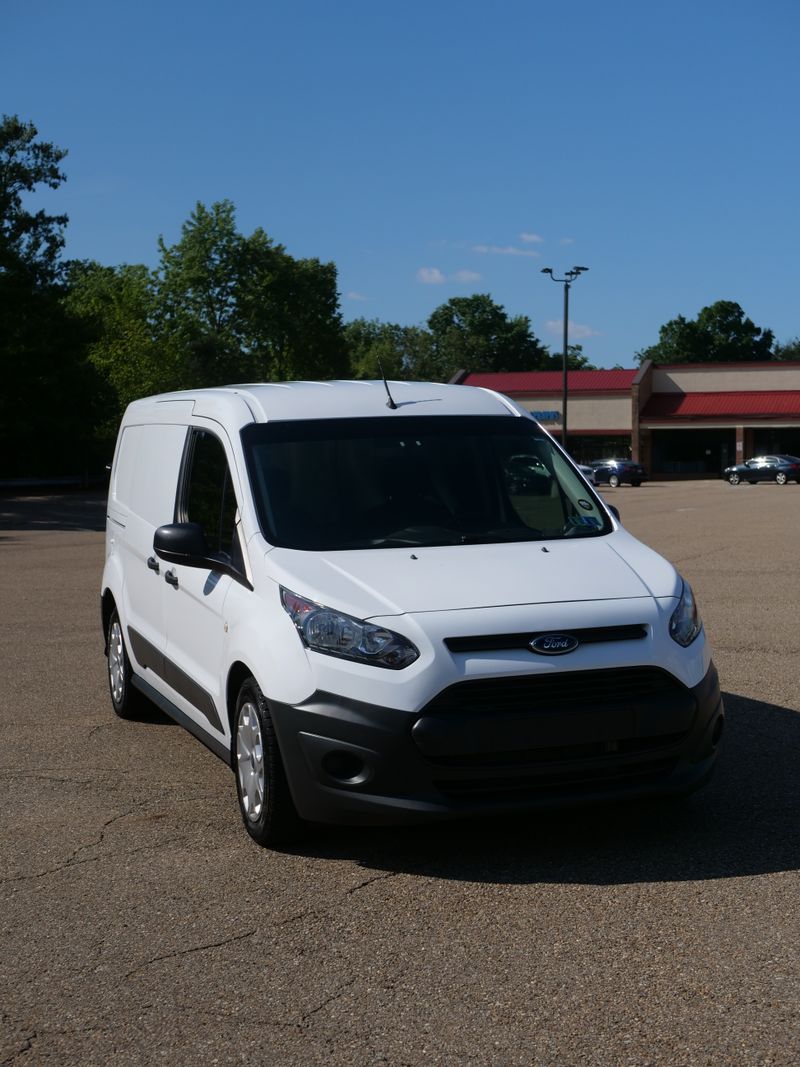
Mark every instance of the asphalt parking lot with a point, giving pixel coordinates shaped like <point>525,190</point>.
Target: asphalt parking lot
<point>140,925</point>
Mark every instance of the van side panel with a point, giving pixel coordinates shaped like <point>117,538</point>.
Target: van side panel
<point>142,498</point>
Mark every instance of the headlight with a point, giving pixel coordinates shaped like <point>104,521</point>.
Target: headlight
<point>336,634</point>
<point>685,623</point>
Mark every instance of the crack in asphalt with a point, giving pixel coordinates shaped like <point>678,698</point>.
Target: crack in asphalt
<point>368,881</point>
<point>328,1000</point>
<point>27,1045</point>
<point>188,952</point>
<point>72,860</point>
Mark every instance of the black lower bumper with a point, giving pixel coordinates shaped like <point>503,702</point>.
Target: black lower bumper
<point>499,746</point>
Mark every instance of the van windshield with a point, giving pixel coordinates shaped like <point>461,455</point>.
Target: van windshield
<point>394,482</point>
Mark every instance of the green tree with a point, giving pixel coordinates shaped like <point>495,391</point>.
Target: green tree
<point>476,334</point>
<point>720,334</point>
<point>49,395</point>
<point>30,242</point>
<point>236,308</point>
<point>118,308</point>
<point>789,350</point>
<point>576,360</point>
<point>376,348</point>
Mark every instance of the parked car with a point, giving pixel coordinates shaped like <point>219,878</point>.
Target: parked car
<point>616,472</point>
<point>587,472</point>
<point>778,468</point>
<point>346,601</point>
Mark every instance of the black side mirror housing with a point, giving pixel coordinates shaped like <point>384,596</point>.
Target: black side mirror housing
<point>614,511</point>
<point>184,543</point>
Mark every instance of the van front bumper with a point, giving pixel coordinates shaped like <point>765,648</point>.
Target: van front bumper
<point>501,745</point>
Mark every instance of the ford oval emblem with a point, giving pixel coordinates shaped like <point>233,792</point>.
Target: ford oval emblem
<point>554,644</point>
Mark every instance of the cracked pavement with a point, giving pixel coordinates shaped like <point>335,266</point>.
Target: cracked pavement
<point>140,925</point>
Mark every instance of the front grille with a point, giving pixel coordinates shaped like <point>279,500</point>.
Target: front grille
<point>553,692</point>
<point>553,730</point>
<point>572,781</point>
<point>586,636</point>
<point>549,756</point>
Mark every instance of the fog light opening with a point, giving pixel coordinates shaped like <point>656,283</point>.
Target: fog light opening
<point>343,766</point>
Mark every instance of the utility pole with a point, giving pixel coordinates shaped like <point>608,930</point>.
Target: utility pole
<point>566,281</point>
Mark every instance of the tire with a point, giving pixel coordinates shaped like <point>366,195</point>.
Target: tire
<point>780,478</point>
<point>265,803</point>
<point>613,480</point>
<point>636,484</point>
<point>734,478</point>
<point>125,700</point>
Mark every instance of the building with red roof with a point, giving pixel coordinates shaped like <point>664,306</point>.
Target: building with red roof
<point>680,420</point>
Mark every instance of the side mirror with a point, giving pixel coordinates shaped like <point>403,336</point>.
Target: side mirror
<point>614,511</point>
<point>182,542</point>
<point>185,543</point>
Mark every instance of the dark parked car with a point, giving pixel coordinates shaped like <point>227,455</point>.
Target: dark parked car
<point>780,469</point>
<point>615,472</point>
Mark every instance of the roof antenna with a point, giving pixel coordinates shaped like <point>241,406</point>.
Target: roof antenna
<point>390,402</point>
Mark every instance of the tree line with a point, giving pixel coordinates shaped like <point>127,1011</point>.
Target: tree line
<point>80,340</point>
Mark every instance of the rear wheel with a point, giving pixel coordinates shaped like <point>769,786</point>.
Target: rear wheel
<point>636,484</point>
<point>780,478</point>
<point>613,480</point>
<point>265,803</point>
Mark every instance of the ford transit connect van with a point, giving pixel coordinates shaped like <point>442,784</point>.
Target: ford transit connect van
<point>386,606</point>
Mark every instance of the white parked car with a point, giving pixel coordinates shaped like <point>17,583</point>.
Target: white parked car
<point>368,612</point>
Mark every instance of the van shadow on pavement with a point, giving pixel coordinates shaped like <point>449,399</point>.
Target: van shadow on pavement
<point>746,822</point>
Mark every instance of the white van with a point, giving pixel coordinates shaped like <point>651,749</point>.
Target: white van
<point>386,603</point>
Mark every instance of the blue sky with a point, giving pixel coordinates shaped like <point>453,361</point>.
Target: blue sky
<point>437,149</point>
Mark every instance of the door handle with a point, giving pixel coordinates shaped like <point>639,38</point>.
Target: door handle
<point>152,563</point>
<point>172,578</point>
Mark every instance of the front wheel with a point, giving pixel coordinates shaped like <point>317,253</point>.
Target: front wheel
<point>265,803</point>
<point>124,698</point>
<point>613,480</point>
<point>734,478</point>
<point>780,478</point>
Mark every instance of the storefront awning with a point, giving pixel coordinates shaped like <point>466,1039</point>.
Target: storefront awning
<point>729,406</point>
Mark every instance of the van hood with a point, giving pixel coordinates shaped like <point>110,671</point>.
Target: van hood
<point>379,582</point>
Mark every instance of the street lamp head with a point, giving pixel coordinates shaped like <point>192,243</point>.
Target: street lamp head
<point>580,270</point>
<point>547,270</point>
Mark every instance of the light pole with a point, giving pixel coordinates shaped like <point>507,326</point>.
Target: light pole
<point>567,281</point>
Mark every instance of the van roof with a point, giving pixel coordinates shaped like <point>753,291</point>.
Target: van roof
<point>289,401</point>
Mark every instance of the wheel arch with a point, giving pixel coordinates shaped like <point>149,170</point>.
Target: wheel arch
<point>107,607</point>
<point>239,672</point>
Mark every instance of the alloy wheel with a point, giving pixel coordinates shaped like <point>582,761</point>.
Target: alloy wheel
<point>116,662</point>
<point>250,765</point>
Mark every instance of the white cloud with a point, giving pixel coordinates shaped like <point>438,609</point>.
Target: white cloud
<point>433,276</point>
<point>531,238</point>
<point>430,276</point>
<point>504,250</point>
<point>577,332</point>
<point>567,241</point>
<point>352,295</point>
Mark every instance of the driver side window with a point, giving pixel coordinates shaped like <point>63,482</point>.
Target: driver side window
<point>209,498</point>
